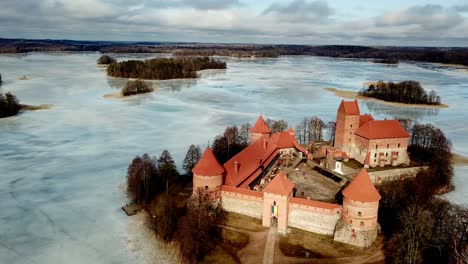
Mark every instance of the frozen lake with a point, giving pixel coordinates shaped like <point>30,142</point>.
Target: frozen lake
<point>61,170</point>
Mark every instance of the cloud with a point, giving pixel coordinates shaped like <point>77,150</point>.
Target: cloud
<point>301,11</point>
<point>211,4</point>
<point>294,22</point>
<point>461,8</point>
<point>427,17</point>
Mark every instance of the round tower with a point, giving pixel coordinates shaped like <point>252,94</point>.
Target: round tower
<point>208,175</point>
<point>259,130</point>
<point>358,225</point>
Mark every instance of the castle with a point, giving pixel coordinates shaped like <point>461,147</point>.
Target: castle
<point>371,142</point>
<point>254,181</point>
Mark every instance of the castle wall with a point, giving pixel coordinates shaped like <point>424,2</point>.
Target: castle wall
<point>349,235</point>
<point>382,151</point>
<point>242,201</point>
<point>360,215</point>
<point>379,177</point>
<point>209,184</point>
<point>312,218</point>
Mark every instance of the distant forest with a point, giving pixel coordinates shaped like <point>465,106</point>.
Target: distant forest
<point>407,92</point>
<point>456,55</point>
<point>163,68</point>
<point>227,52</point>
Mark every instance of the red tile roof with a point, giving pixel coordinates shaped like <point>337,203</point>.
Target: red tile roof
<point>313,203</point>
<point>280,185</point>
<point>349,107</point>
<point>362,189</point>
<point>249,160</point>
<point>379,129</point>
<point>260,127</point>
<point>208,165</point>
<point>283,140</point>
<point>364,119</point>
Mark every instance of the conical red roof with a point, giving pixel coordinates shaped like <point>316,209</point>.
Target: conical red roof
<point>362,189</point>
<point>280,185</point>
<point>260,127</point>
<point>208,165</point>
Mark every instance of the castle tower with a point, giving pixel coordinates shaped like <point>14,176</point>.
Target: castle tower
<point>208,175</point>
<point>358,224</point>
<point>347,121</point>
<point>259,130</point>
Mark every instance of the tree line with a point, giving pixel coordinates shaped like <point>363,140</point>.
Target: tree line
<point>407,92</point>
<point>419,226</point>
<point>163,68</point>
<point>238,53</point>
<point>9,105</point>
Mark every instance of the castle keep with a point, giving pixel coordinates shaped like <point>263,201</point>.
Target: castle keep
<point>258,181</point>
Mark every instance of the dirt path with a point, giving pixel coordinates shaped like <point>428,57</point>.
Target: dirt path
<point>269,253</point>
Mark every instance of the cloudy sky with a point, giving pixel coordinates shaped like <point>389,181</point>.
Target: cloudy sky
<point>364,22</point>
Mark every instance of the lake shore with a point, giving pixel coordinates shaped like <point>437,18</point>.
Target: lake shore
<point>355,95</point>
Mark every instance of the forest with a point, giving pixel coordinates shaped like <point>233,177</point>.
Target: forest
<point>407,92</point>
<point>163,68</point>
<point>449,55</point>
<point>227,53</point>
<point>9,105</point>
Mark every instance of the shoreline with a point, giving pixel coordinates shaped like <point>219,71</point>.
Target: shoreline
<point>25,107</point>
<point>459,160</point>
<point>354,95</point>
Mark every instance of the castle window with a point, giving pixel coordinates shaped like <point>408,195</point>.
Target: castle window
<point>375,155</point>
<point>386,154</point>
<point>398,144</point>
<point>351,125</point>
<point>362,223</point>
<point>359,214</point>
<point>206,187</point>
<point>388,145</point>
<point>376,146</point>
<point>350,221</point>
<point>349,140</point>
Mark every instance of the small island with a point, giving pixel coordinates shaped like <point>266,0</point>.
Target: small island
<point>105,60</point>
<point>10,106</point>
<point>163,68</point>
<point>406,92</point>
<point>132,88</point>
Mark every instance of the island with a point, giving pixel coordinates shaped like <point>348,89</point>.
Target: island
<point>406,92</point>
<point>132,87</point>
<point>10,106</point>
<point>163,68</point>
<point>329,200</point>
<point>105,60</point>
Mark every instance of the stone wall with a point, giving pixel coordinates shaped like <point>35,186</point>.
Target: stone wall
<point>242,201</point>
<point>313,216</point>
<point>346,234</point>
